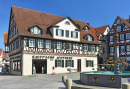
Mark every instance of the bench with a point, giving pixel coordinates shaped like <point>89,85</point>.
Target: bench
<point>70,70</point>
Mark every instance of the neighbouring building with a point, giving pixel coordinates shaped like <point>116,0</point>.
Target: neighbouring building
<point>6,52</point>
<point>123,29</point>
<point>44,42</point>
<point>1,57</point>
<point>101,33</point>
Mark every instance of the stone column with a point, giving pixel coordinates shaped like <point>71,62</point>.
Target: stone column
<point>68,83</point>
<point>64,79</point>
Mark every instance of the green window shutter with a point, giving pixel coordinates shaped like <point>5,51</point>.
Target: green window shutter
<point>72,63</point>
<point>55,63</point>
<point>41,31</point>
<point>67,33</point>
<point>62,63</point>
<point>82,47</point>
<point>62,45</point>
<point>52,45</point>
<point>65,45</point>
<point>27,42</point>
<point>55,44</point>
<point>44,45</point>
<point>65,63</point>
<point>87,38</point>
<point>95,48</point>
<point>92,63</point>
<point>92,38</point>
<point>71,34</point>
<point>62,33</point>
<point>76,34</point>
<point>56,32</point>
<point>71,46</point>
<point>36,43</point>
<point>86,63</point>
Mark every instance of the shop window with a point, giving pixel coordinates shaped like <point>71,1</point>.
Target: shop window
<point>16,65</point>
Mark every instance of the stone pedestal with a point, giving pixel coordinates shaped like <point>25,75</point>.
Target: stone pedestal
<point>126,86</point>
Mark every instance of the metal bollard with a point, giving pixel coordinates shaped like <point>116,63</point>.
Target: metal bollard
<point>68,83</point>
<point>64,79</point>
<point>126,86</point>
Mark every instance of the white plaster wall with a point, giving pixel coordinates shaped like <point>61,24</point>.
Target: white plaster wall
<point>27,64</point>
<point>106,32</point>
<point>64,27</point>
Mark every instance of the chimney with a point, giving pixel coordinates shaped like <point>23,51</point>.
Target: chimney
<point>88,24</point>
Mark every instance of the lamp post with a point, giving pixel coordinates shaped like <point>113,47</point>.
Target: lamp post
<point>116,63</point>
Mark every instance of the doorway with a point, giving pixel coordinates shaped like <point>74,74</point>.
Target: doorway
<point>79,65</point>
<point>40,66</point>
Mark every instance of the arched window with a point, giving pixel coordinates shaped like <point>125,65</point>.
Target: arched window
<point>67,22</point>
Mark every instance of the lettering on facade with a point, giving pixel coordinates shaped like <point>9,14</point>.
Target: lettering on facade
<point>42,57</point>
<point>64,57</point>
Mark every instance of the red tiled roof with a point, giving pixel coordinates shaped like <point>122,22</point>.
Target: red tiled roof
<point>26,18</point>
<point>0,52</point>
<point>99,30</point>
<point>126,21</point>
<point>4,55</point>
<point>5,37</point>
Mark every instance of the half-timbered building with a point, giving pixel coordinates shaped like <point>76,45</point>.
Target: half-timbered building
<point>123,29</point>
<point>48,43</point>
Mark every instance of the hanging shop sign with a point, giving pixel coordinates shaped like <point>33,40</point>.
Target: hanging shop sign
<point>42,57</point>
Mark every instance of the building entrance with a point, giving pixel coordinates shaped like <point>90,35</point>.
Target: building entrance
<point>40,66</point>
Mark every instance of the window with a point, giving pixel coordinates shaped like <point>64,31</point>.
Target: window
<point>68,46</point>
<point>89,63</point>
<point>118,28</point>
<point>67,23</point>
<point>59,32</point>
<point>93,48</point>
<point>31,42</point>
<point>89,38</point>
<point>122,48</point>
<point>48,44</point>
<point>112,49</point>
<point>74,34</point>
<point>122,37</point>
<point>40,43</point>
<point>86,28</point>
<point>128,47</point>
<point>102,50</point>
<point>16,65</point>
<point>69,63</point>
<point>127,35</point>
<point>105,54</point>
<point>111,38</point>
<point>118,21</point>
<point>85,47</point>
<point>59,45</point>
<point>59,63</point>
<point>35,30</point>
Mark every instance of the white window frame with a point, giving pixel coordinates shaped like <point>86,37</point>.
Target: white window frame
<point>59,45</point>
<point>31,42</point>
<point>86,28</point>
<point>74,34</point>
<point>69,63</point>
<point>111,38</point>
<point>35,30</point>
<point>111,49</point>
<point>89,63</point>
<point>59,63</point>
<point>40,43</point>
<point>68,46</point>
<point>122,48</point>
<point>59,32</point>
<point>122,37</point>
<point>89,38</point>
<point>48,44</point>
<point>119,29</point>
<point>93,48</point>
<point>128,47</point>
<point>85,47</point>
<point>127,35</point>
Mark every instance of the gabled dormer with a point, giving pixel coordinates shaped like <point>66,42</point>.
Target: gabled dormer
<point>86,28</point>
<point>66,30</point>
<point>36,30</point>
<point>89,37</point>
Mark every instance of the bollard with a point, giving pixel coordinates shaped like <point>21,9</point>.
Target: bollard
<point>64,79</point>
<point>34,71</point>
<point>126,86</point>
<point>68,83</point>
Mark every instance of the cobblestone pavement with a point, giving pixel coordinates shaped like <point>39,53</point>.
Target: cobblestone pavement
<point>40,81</point>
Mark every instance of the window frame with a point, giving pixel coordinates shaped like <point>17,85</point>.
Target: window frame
<point>69,45</point>
<point>127,35</point>
<point>93,48</point>
<point>40,43</point>
<point>48,42</point>
<point>31,43</point>
<point>128,47</point>
<point>111,38</point>
<point>122,35</point>
<point>122,48</point>
<point>59,64</point>
<point>59,45</point>
<point>111,49</point>
<point>85,47</point>
<point>70,64</point>
<point>35,30</point>
<point>59,32</point>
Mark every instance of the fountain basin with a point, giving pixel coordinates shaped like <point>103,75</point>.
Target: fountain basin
<point>105,78</point>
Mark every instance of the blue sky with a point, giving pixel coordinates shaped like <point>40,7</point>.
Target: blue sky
<point>96,12</point>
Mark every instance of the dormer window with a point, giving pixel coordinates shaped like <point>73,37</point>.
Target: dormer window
<point>89,38</point>
<point>86,28</point>
<point>36,30</point>
<point>67,23</point>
